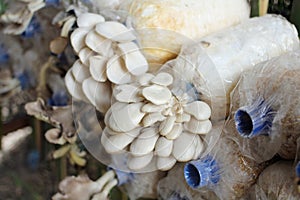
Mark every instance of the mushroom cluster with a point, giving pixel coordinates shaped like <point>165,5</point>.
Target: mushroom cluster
<point>107,55</point>
<point>19,16</point>
<point>82,187</point>
<point>151,119</point>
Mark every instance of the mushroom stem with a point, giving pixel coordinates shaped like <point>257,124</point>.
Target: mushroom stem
<point>103,180</point>
<point>109,186</point>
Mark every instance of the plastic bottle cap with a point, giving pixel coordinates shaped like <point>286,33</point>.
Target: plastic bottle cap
<point>255,119</point>
<point>202,172</point>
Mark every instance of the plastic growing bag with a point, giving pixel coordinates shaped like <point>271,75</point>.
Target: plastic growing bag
<point>276,182</point>
<point>266,103</point>
<point>223,169</point>
<point>213,65</point>
<point>164,25</point>
<point>174,187</point>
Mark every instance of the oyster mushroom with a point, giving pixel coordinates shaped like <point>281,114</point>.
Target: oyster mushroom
<point>107,57</point>
<point>18,16</point>
<point>83,188</point>
<point>169,129</point>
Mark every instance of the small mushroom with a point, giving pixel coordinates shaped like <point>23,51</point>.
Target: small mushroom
<point>117,143</point>
<point>175,132</point>
<point>58,45</point>
<point>74,87</point>
<point>134,60</point>
<point>144,143</point>
<point>198,127</point>
<point>116,71</point>
<point>81,187</point>
<point>198,109</point>
<point>98,68</point>
<point>139,162</point>
<point>163,79</point>
<point>167,125</point>
<point>67,27</point>
<point>84,55</point>
<point>55,136</point>
<point>184,147</point>
<point>152,118</point>
<point>163,147</point>
<point>184,117</point>
<point>115,31</point>
<point>165,163</point>
<point>98,43</point>
<point>99,94</point>
<point>157,94</point>
<point>127,93</point>
<point>89,19</point>
<point>125,117</point>
<point>144,80</point>
<point>152,108</point>
<point>80,72</point>
<point>78,38</point>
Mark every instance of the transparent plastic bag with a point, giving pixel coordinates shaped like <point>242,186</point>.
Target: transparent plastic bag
<point>143,185</point>
<point>174,187</point>
<point>223,169</point>
<point>213,65</point>
<point>266,103</point>
<point>162,30</point>
<point>276,182</point>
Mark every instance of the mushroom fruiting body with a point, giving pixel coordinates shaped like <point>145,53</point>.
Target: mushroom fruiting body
<point>107,55</point>
<point>156,123</point>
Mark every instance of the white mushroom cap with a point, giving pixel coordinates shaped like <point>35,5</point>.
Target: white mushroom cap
<point>55,136</point>
<point>137,163</point>
<point>184,147</point>
<point>163,147</point>
<point>85,54</point>
<point>165,163</point>
<point>134,60</point>
<point>125,117</point>
<point>98,43</point>
<point>145,142</point>
<point>198,127</point>
<point>117,143</point>
<point>157,94</point>
<point>89,19</point>
<point>98,68</point>
<point>74,87</point>
<point>115,31</point>
<point>80,72</point>
<point>78,38</point>
<point>99,94</point>
<point>199,109</point>
<point>116,71</point>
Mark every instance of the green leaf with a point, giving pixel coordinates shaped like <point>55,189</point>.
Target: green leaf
<point>3,7</point>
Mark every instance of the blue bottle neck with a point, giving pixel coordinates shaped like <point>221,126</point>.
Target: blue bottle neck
<point>298,170</point>
<point>4,57</point>
<point>123,177</point>
<point>201,173</point>
<point>32,29</point>
<point>255,119</point>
